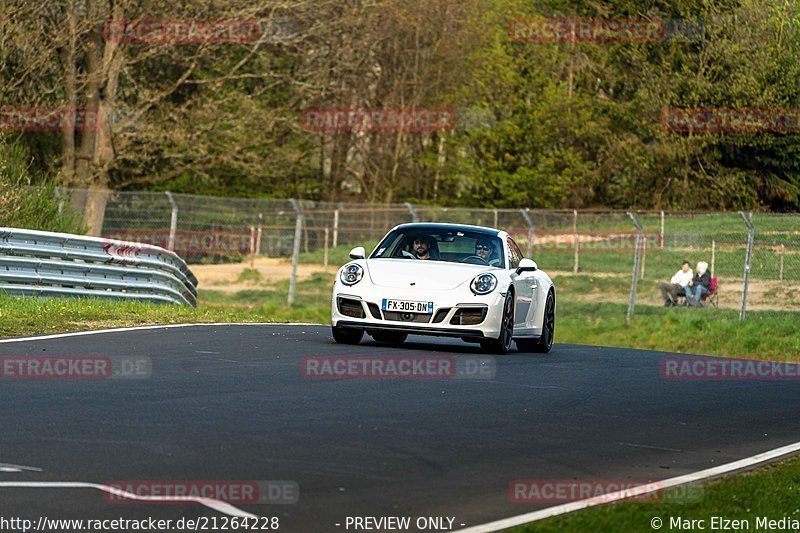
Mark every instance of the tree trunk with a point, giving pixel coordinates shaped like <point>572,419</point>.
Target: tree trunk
<point>95,209</point>
<point>71,98</point>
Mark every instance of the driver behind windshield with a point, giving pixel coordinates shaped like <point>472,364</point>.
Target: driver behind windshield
<point>484,248</point>
<point>422,246</point>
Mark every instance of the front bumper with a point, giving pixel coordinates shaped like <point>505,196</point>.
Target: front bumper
<point>454,313</point>
<point>405,328</point>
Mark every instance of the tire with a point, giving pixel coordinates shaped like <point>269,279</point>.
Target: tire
<point>503,342</point>
<point>389,337</point>
<point>545,342</point>
<point>347,336</point>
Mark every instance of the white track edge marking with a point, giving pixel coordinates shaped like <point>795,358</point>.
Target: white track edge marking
<point>216,505</point>
<point>138,328</point>
<point>716,471</point>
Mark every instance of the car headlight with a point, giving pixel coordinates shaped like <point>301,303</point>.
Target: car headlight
<point>351,274</point>
<point>483,283</point>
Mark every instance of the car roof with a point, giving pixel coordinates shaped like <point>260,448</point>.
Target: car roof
<point>429,225</point>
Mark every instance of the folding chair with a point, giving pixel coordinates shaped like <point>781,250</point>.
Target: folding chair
<point>710,297</point>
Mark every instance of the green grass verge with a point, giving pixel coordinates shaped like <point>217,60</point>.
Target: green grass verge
<point>771,492</point>
<point>32,316</point>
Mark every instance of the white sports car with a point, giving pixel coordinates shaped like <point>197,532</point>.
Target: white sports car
<point>445,279</point>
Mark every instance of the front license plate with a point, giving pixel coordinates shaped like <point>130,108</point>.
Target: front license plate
<point>405,306</point>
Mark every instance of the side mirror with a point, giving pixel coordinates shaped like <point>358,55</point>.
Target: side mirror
<point>526,265</point>
<point>358,253</point>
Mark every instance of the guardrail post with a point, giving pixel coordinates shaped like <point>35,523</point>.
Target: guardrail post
<point>751,231</point>
<point>411,211</point>
<point>636,257</point>
<point>298,234</point>
<point>173,221</point>
<point>529,222</point>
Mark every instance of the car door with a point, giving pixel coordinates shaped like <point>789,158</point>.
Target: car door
<point>525,285</point>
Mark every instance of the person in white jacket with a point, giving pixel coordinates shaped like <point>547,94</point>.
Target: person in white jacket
<point>677,285</point>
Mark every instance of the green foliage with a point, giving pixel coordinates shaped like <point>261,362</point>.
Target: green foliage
<point>569,124</point>
<point>24,206</point>
<point>578,124</point>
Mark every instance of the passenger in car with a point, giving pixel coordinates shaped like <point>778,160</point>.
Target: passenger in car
<point>484,248</point>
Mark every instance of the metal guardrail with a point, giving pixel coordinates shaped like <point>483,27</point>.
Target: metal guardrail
<point>41,263</point>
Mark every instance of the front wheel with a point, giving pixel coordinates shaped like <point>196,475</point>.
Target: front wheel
<point>503,342</point>
<point>346,335</point>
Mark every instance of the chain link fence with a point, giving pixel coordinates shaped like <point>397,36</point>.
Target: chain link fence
<point>596,256</point>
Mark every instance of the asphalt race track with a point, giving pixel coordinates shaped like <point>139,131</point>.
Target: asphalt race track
<point>231,403</point>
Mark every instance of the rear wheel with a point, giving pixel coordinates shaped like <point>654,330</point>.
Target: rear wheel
<point>389,337</point>
<point>347,335</point>
<point>503,342</point>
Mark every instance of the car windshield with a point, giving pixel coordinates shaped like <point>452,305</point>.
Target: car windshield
<point>449,244</point>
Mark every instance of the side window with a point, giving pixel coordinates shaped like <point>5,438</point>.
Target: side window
<point>514,255</point>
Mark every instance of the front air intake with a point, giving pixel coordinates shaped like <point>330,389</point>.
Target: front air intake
<point>349,307</point>
<point>468,316</point>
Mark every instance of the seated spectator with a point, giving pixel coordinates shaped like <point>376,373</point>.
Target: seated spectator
<point>698,285</point>
<point>675,288</point>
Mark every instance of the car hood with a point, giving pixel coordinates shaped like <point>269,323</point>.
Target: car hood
<point>432,275</point>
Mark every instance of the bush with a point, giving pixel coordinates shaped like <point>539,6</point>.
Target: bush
<point>27,204</point>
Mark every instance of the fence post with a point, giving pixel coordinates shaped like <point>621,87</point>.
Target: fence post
<point>298,234</point>
<point>57,193</point>
<point>325,249</point>
<point>495,218</point>
<point>173,221</point>
<point>414,217</point>
<point>335,227</point>
<point>575,241</point>
<point>713,256</point>
<point>252,246</point>
<point>529,222</point>
<point>576,259</point>
<point>661,236</point>
<point>258,233</point>
<point>644,255</point>
<point>783,251</point>
<point>751,230</point>
<point>636,257</point>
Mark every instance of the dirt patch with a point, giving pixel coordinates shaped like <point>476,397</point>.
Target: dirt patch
<point>270,269</point>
